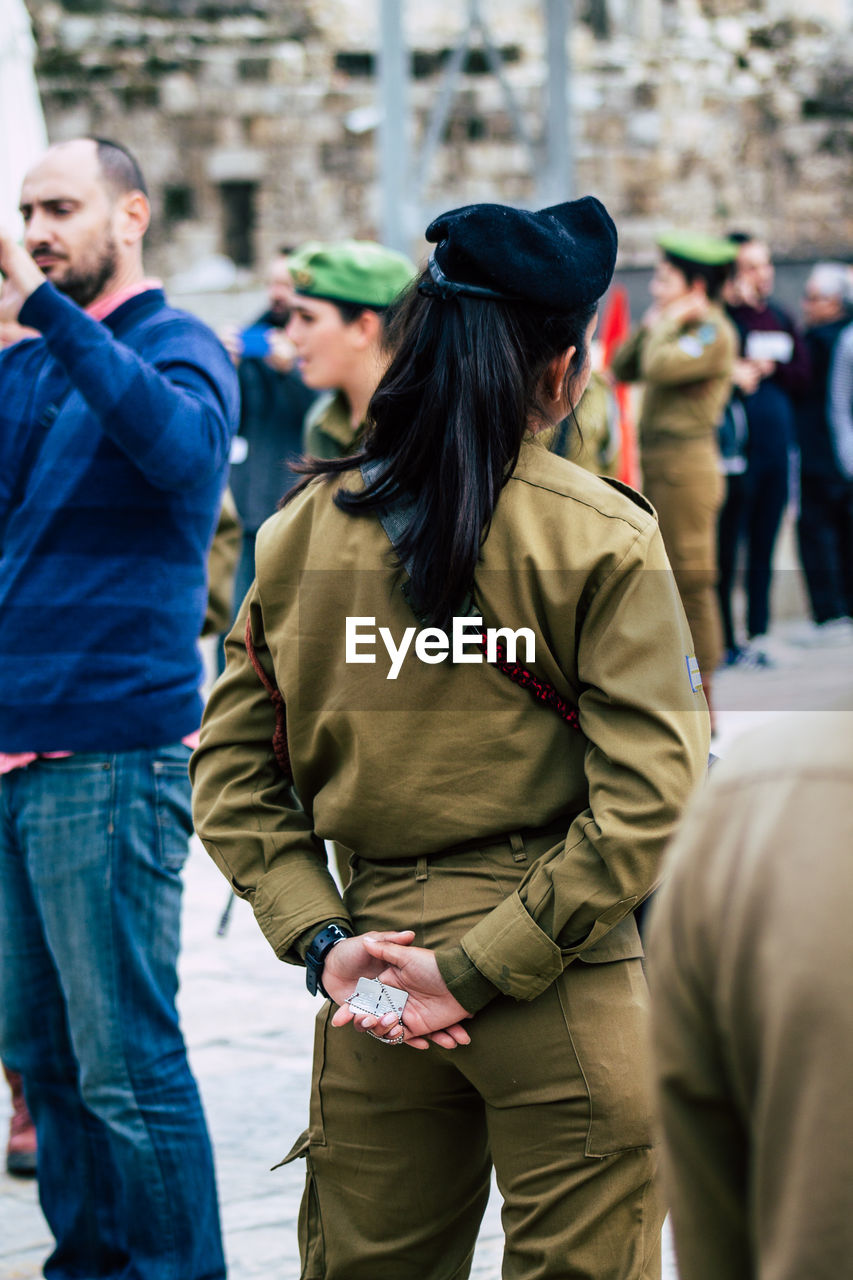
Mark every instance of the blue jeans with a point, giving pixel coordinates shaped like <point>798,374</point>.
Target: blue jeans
<point>91,849</point>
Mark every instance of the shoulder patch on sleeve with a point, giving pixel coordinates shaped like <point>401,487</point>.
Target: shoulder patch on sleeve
<point>694,675</point>
<point>692,345</point>
<point>635,497</point>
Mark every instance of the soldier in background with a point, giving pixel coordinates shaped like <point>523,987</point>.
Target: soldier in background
<point>343,297</point>
<point>683,352</point>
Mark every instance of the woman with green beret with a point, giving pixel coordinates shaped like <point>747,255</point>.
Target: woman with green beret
<point>683,352</point>
<point>466,660</point>
<point>344,296</point>
<point>342,304</point>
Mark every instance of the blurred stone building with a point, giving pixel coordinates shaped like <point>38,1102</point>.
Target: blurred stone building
<point>256,120</point>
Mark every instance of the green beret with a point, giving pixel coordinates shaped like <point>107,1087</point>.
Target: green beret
<point>707,251</point>
<point>358,271</point>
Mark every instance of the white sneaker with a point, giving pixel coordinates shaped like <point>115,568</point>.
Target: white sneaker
<point>825,635</point>
<point>756,655</point>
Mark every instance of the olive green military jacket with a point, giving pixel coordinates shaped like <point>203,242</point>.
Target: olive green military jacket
<point>447,752</point>
<point>686,370</point>
<point>328,431</point>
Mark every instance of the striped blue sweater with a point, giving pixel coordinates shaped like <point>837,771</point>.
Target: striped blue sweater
<point>102,573</point>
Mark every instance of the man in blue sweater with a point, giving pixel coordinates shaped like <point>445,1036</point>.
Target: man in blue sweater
<point>115,426</point>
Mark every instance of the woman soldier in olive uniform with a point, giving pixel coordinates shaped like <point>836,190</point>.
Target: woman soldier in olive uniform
<point>342,302</point>
<point>500,848</point>
<point>683,352</point>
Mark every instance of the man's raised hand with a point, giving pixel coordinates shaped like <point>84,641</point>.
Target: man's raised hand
<point>21,276</point>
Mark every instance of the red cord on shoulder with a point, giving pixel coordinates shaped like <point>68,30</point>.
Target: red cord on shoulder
<point>539,689</point>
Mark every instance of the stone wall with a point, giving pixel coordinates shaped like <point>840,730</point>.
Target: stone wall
<point>256,121</point>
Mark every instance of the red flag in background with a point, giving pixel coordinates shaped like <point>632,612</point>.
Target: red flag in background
<point>614,329</point>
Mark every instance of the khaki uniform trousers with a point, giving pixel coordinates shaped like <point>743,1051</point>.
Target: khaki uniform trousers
<point>554,1092</point>
<point>683,483</point>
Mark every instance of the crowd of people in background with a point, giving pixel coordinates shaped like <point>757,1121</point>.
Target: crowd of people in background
<point>746,413</point>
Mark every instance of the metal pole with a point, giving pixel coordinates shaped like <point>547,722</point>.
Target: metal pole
<point>441,110</point>
<point>558,177</point>
<point>393,142</point>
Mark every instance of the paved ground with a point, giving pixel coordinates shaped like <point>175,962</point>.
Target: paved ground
<point>249,1022</point>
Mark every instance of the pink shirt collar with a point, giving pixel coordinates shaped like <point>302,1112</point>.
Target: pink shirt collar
<point>105,306</point>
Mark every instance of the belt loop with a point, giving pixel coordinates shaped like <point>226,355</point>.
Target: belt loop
<point>517,845</point>
<point>422,869</point>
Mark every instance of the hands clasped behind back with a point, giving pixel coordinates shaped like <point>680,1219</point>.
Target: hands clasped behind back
<point>431,1013</point>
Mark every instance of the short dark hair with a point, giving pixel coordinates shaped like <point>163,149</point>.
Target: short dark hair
<point>119,167</point>
<point>714,276</point>
<point>740,237</point>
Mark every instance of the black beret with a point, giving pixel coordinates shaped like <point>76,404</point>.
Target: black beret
<point>560,259</point>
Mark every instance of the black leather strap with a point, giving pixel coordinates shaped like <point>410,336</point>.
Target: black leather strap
<point>315,956</point>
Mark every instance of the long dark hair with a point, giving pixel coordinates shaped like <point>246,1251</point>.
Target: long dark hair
<point>446,424</point>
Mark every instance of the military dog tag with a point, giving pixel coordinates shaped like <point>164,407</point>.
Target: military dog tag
<point>374,997</point>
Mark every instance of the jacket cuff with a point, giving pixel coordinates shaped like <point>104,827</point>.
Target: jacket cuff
<point>301,944</point>
<point>464,981</point>
<point>509,948</point>
<point>285,928</point>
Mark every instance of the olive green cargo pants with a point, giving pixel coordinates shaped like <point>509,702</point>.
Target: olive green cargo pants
<point>554,1092</point>
<point>683,483</point>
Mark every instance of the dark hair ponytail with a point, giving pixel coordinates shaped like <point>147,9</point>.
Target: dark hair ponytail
<point>447,421</point>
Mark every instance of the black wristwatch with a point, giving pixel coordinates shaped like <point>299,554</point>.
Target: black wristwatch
<point>315,956</point>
